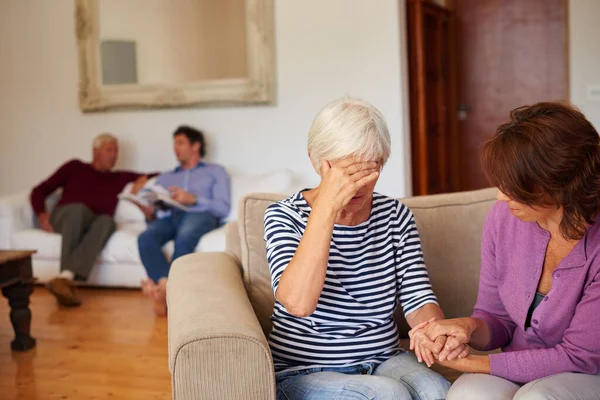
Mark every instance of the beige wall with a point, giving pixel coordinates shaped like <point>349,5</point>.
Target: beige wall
<point>223,32</point>
<point>167,36</point>
<point>321,54</point>
<point>584,57</point>
<point>179,40</point>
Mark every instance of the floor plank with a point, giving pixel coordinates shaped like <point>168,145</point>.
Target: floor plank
<point>112,347</point>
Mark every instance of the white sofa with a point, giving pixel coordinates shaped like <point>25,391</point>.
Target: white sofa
<point>119,264</point>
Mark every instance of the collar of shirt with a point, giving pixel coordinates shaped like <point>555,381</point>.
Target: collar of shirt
<point>180,168</point>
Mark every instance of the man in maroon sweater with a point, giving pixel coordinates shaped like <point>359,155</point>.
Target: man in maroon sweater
<point>84,214</point>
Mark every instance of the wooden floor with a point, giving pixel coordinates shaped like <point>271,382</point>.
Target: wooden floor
<point>112,347</point>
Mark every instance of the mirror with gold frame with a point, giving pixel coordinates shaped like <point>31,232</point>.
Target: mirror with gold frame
<point>138,54</point>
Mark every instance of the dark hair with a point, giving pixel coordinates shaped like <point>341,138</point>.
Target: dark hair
<point>548,154</point>
<point>193,135</point>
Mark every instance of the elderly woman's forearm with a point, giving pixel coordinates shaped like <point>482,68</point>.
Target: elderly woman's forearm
<point>302,281</point>
<point>423,314</point>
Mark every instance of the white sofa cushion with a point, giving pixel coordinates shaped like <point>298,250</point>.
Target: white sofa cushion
<point>122,246</point>
<point>279,181</point>
<point>213,241</point>
<point>127,212</point>
<point>47,244</point>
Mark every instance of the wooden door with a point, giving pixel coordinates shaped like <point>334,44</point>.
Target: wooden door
<point>433,163</point>
<point>509,53</point>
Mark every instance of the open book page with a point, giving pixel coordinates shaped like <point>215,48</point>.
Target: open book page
<point>152,195</point>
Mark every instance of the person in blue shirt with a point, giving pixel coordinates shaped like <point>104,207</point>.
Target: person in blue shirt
<point>204,189</point>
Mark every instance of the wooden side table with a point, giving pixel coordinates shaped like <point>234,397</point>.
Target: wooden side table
<point>16,282</point>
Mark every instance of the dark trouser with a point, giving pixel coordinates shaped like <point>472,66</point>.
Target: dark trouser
<point>84,235</point>
<point>185,228</point>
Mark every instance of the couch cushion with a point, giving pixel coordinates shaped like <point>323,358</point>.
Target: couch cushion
<point>47,244</point>
<point>126,211</point>
<point>213,241</point>
<point>450,227</point>
<point>122,245</point>
<point>280,181</point>
<point>120,248</point>
<point>254,255</point>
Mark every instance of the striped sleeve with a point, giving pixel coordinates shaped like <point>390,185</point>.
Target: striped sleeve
<point>413,280</point>
<point>282,238</point>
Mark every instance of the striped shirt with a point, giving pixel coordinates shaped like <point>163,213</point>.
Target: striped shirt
<point>372,267</point>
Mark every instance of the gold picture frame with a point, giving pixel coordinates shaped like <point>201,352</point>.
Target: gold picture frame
<point>257,88</point>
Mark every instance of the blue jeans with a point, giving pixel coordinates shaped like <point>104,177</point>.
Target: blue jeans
<point>185,228</point>
<point>399,378</point>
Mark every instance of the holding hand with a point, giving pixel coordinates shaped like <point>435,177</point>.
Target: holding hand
<point>442,339</point>
<point>181,196</point>
<point>422,353</point>
<point>341,182</point>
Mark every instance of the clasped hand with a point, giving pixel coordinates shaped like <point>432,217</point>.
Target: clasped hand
<point>440,340</point>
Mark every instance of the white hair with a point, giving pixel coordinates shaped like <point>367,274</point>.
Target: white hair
<point>103,138</point>
<point>349,127</point>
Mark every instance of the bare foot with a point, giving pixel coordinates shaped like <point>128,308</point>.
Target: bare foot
<point>160,298</point>
<point>148,287</point>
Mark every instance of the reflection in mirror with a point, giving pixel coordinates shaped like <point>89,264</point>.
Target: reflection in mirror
<point>159,41</point>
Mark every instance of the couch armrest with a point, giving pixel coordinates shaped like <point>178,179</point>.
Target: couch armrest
<point>217,349</point>
<point>233,245</point>
<point>15,215</point>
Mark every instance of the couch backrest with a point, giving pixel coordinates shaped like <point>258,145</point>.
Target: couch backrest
<point>257,279</point>
<point>450,227</point>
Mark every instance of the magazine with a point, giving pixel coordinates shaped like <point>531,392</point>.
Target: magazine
<point>155,195</point>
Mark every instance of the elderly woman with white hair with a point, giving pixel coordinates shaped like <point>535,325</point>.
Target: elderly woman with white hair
<point>341,259</point>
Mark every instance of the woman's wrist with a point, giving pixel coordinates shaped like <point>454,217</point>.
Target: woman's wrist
<point>471,326</point>
<point>324,211</point>
<point>478,364</point>
<point>471,363</point>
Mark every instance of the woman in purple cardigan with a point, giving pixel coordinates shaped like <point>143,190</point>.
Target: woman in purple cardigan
<point>539,289</point>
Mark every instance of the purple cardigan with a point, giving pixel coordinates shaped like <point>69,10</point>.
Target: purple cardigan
<point>564,335</point>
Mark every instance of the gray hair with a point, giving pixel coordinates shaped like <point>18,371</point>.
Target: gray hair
<point>349,127</point>
<point>103,138</point>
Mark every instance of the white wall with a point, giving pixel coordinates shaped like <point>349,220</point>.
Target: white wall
<point>584,57</point>
<point>168,42</point>
<point>324,49</point>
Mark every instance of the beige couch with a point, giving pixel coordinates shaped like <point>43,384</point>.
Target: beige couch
<point>220,303</point>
